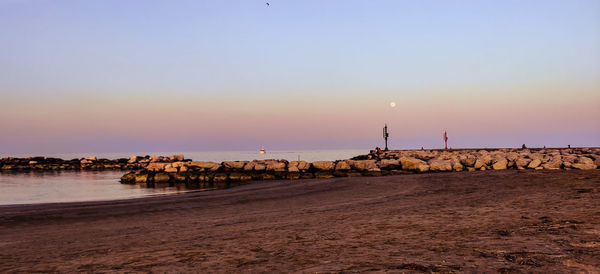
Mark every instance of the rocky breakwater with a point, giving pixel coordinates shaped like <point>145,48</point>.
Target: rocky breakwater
<point>11,164</point>
<point>210,174</point>
<point>490,159</point>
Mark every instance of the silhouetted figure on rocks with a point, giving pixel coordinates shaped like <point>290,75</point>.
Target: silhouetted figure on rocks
<point>523,147</point>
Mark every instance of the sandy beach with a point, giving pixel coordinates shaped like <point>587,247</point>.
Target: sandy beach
<point>489,221</point>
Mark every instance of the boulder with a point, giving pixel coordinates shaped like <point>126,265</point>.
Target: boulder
<point>534,163</point>
<point>389,164</point>
<point>500,163</point>
<point>413,164</point>
<point>170,168</point>
<point>203,165</point>
<point>234,164</point>
<point>141,178</point>
<point>155,158</point>
<point>536,156</point>
<point>156,166</point>
<point>178,164</point>
<point>249,166</point>
<point>85,162</point>
<point>512,156</point>
<point>342,165</point>
<point>302,165</point>
<point>323,165</point>
<point>363,165</point>
<point>275,166</point>
<point>259,167</point>
<point>479,163</point>
<point>128,178</point>
<point>486,159</point>
<point>468,160</point>
<point>457,166</point>
<point>522,162</point>
<point>293,169</point>
<point>91,158</point>
<point>554,163</point>
<point>584,163</point>
<point>440,165</point>
<point>178,157</point>
<point>132,159</point>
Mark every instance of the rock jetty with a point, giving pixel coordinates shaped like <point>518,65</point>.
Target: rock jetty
<point>372,164</point>
<point>89,163</point>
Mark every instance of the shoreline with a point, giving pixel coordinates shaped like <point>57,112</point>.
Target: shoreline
<point>489,221</point>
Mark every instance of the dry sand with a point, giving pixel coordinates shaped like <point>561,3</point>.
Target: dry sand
<point>490,221</point>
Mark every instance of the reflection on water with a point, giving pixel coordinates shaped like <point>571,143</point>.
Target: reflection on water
<point>72,186</point>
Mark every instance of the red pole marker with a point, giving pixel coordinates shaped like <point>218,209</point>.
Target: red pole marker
<point>445,140</point>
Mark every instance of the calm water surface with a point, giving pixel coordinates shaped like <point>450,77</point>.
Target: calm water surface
<point>70,186</point>
<point>75,186</point>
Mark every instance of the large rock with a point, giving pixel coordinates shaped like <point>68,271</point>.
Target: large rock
<point>234,164</point>
<point>554,163</point>
<point>178,157</point>
<point>276,166</point>
<point>323,165</point>
<point>132,159</point>
<point>156,166</point>
<point>522,162</point>
<point>155,158</point>
<point>203,165</point>
<point>302,165</point>
<point>249,166</point>
<point>534,163</point>
<point>91,158</point>
<point>512,156</point>
<point>486,159</point>
<point>389,164</point>
<point>468,160</point>
<point>584,163</point>
<point>440,165</point>
<point>457,166</point>
<point>500,163</point>
<point>363,165</point>
<point>479,163</point>
<point>128,178</point>
<point>170,168</point>
<point>141,178</point>
<point>413,164</point>
<point>178,164</point>
<point>342,166</point>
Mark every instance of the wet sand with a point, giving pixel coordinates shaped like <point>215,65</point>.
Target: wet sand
<point>489,221</point>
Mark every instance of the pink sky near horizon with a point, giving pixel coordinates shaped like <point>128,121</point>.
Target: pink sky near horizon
<point>98,76</point>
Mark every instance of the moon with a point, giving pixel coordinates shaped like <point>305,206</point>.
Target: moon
<point>393,104</point>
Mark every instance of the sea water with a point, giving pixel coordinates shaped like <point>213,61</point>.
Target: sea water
<point>74,186</point>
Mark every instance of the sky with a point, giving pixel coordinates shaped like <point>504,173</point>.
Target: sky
<point>143,76</point>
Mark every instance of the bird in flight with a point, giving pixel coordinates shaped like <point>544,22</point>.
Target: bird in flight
<point>268,4</point>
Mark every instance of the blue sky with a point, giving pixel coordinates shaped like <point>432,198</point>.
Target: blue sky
<point>108,76</point>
